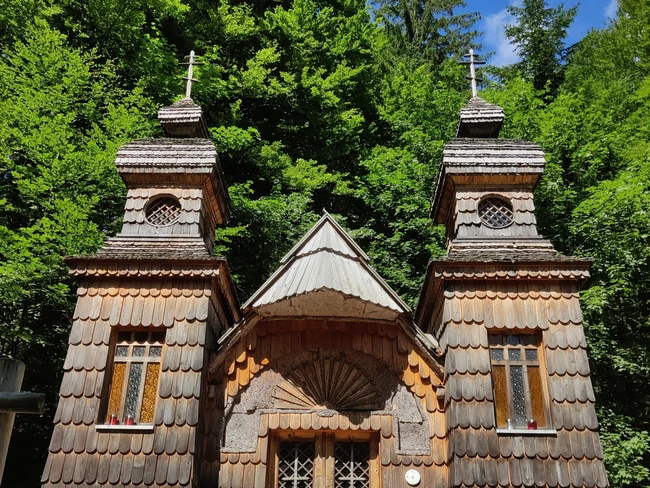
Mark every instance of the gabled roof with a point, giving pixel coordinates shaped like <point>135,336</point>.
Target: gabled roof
<point>326,274</point>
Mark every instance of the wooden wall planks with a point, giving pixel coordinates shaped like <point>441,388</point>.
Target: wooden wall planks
<point>270,340</point>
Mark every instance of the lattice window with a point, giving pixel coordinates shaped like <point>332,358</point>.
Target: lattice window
<point>134,382</point>
<point>517,378</point>
<point>296,464</point>
<point>352,465</point>
<point>495,212</point>
<point>163,211</point>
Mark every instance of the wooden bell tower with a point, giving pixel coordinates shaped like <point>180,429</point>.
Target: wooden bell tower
<point>152,303</point>
<point>504,306</point>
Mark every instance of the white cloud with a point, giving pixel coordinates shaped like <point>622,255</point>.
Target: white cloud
<point>611,9</point>
<point>494,38</point>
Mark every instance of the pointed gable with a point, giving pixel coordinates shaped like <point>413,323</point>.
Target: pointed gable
<point>326,274</point>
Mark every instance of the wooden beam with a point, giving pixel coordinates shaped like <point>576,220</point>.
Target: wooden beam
<point>11,379</point>
<point>22,402</point>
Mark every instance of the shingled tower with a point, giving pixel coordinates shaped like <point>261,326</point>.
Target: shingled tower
<point>504,306</point>
<point>152,303</point>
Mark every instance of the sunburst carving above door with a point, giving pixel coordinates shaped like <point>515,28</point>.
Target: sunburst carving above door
<point>325,384</point>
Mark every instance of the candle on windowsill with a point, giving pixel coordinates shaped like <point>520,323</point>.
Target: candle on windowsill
<point>532,424</point>
<point>114,420</point>
<point>129,420</point>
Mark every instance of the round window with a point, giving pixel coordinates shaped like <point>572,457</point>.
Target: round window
<point>163,211</point>
<point>495,212</point>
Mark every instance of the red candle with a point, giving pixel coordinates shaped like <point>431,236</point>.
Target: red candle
<point>129,420</point>
<point>114,420</point>
<point>532,424</point>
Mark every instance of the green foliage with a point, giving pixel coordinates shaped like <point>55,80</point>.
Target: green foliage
<point>538,35</point>
<point>428,29</point>
<point>318,104</point>
<point>593,201</point>
<point>61,122</point>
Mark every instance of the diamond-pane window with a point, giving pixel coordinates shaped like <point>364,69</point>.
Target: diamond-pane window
<point>352,465</point>
<point>163,211</point>
<point>296,464</point>
<point>495,212</point>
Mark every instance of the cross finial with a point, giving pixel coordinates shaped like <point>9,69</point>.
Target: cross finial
<point>192,60</point>
<point>472,61</point>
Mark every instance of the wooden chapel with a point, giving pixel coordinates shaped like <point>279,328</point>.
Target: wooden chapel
<point>323,378</point>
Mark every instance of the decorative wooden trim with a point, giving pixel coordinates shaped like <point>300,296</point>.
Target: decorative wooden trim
<point>329,383</point>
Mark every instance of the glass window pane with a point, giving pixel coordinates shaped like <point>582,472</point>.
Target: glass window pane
<point>514,354</point>
<point>117,387</point>
<point>531,354</point>
<point>496,339</point>
<point>133,390</point>
<point>500,395</point>
<point>141,337</point>
<point>138,351</point>
<point>158,337</point>
<point>155,351</point>
<point>351,465</point>
<point>497,354</point>
<point>295,464</point>
<point>512,340</point>
<point>122,351</point>
<point>518,397</point>
<point>150,393</point>
<point>536,395</point>
<point>124,336</point>
<point>529,340</point>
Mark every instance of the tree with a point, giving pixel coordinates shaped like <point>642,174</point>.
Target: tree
<point>428,29</point>
<point>593,201</point>
<point>61,122</point>
<point>538,35</point>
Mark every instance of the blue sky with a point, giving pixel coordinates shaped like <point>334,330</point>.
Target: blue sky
<point>592,13</point>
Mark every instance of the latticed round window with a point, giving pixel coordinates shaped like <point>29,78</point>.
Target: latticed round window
<point>163,211</point>
<point>495,212</point>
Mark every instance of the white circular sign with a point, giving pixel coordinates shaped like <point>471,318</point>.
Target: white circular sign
<point>412,477</point>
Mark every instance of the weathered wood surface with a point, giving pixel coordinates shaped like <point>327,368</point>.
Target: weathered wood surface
<point>572,457</point>
<point>22,402</point>
<point>11,379</point>
<point>271,341</point>
<point>467,222</point>
<point>190,313</point>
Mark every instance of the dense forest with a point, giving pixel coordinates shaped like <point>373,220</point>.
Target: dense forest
<point>318,104</point>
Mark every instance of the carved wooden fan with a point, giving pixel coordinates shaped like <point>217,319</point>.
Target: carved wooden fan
<point>326,384</point>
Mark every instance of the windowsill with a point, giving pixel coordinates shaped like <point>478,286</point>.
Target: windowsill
<point>133,429</point>
<point>523,432</point>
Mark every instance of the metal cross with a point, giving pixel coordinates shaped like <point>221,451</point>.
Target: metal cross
<point>472,62</point>
<point>192,61</point>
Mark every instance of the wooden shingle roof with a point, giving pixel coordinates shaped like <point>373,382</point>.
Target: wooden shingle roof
<point>324,268</point>
<point>480,119</point>
<point>183,119</point>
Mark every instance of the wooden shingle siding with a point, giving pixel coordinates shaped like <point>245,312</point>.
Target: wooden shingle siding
<point>478,455</point>
<point>81,455</point>
<point>468,224</point>
<point>134,222</point>
<point>509,305</point>
<point>271,341</point>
